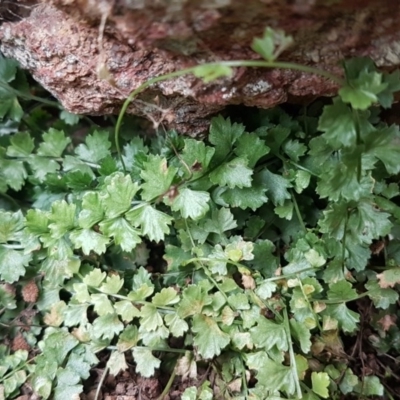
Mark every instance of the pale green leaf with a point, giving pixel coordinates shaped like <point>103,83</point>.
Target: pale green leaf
<point>126,310</point>
<point>89,240</point>
<point>320,383</point>
<point>123,233</point>
<point>118,194</point>
<point>209,338</point>
<point>154,223</point>
<point>96,147</point>
<point>146,363</point>
<point>191,203</point>
<point>167,296</point>
<point>157,177</point>
<point>234,173</point>
<point>116,363</point>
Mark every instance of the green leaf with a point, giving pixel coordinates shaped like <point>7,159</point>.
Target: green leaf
<point>234,173</point>
<point>294,149</point>
<point>116,363</point>
<point>94,278</point>
<point>78,180</point>
<point>371,386</point>
<point>133,149</point>
<point>102,304</point>
<point>13,264</point>
<point>285,211</point>
<point>383,145</point>
<point>346,318</point>
<point>277,187</point>
<point>320,383</point>
<point>96,147</point>
<point>153,223</point>
<point>382,298</point>
<point>22,145</point>
<point>265,289</point>
<point>81,292</point>
<point>194,298</point>
<point>349,381</point>
<point>302,180</point>
<point>67,385</point>
<point>53,143</point>
<point>337,123</point>
<point>192,204</point>
<point>368,222</point>
<point>176,325</point>
<point>197,156</point>
<point>209,338</point>
<point>92,210</point>
<point>58,345</point>
<point>276,376</point>
<point>88,241</point>
<point>341,181</point>
<point>11,224</point>
<point>301,334</point>
<point>264,259</point>
<point>221,221</point>
<point>253,197</point>
<point>272,44</point>
<point>268,334</point>
<point>112,284</point>
<point>107,326</point>
<point>362,93</point>
<point>9,105</point>
<point>123,233</point>
<point>62,218</point>
<point>146,363</point>
<point>150,318</point>
<point>210,72</point>
<point>118,194</point>
<point>126,310</point>
<point>8,69</point>
<point>128,338</point>
<point>190,393</point>
<point>166,297</point>
<point>389,277</point>
<point>238,249</point>
<point>334,221</point>
<point>42,167</point>
<point>142,286</point>
<point>157,177</point>
<point>223,134</point>
<point>69,118</point>
<point>392,80</point>
<point>341,291</point>
<point>13,173</point>
<point>251,147</point>
<point>175,257</point>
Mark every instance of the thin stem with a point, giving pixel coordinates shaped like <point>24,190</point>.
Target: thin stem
<point>121,297</point>
<point>22,366</point>
<point>103,377</point>
<point>344,237</point>
<point>358,142</point>
<point>281,65</point>
<point>168,385</point>
<point>11,200</point>
<point>293,365</point>
<point>29,96</point>
<point>297,210</point>
<point>232,64</point>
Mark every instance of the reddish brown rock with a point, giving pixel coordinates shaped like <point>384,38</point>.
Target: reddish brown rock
<point>59,43</point>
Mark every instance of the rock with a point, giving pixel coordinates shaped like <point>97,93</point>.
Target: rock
<point>61,42</point>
